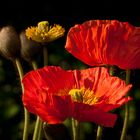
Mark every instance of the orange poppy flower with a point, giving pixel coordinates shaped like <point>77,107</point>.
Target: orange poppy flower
<point>101,42</point>
<point>87,95</point>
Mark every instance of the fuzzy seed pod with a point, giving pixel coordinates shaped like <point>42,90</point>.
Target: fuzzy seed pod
<point>9,43</point>
<point>29,48</point>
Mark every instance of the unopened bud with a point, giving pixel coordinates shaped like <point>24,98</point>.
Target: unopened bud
<point>29,48</point>
<point>9,43</point>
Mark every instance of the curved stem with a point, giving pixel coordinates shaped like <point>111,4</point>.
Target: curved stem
<point>45,54</point>
<point>125,124</point>
<point>34,64</point>
<point>39,123</point>
<point>26,113</point>
<point>44,125</point>
<point>26,124</point>
<point>38,129</point>
<point>75,129</point>
<point>99,133</point>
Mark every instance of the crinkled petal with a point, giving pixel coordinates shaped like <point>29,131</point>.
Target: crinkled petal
<point>105,42</point>
<point>86,113</point>
<point>46,94</point>
<point>50,78</point>
<point>91,78</point>
<point>109,107</point>
<point>79,41</point>
<point>55,110</point>
<point>114,87</point>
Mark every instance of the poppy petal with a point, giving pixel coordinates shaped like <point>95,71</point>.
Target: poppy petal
<point>105,42</point>
<point>54,78</point>
<point>84,113</point>
<point>91,78</point>
<point>55,110</point>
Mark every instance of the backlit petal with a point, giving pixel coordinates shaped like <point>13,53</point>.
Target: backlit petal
<point>86,113</point>
<point>50,78</point>
<point>105,42</point>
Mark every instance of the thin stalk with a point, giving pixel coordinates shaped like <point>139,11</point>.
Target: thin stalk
<point>44,125</point>
<point>45,54</point>
<point>26,113</point>
<point>125,124</point>
<point>75,129</point>
<point>38,124</point>
<point>34,64</point>
<point>99,133</point>
<point>38,129</point>
<point>100,128</point>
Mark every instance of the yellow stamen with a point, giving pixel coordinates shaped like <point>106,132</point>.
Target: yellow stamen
<point>44,33</point>
<point>86,96</point>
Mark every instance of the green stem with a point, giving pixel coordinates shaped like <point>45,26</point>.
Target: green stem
<point>26,113</point>
<point>39,123</point>
<point>75,129</point>
<point>45,54</point>
<point>38,129</point>
<point>26,124</point>
<point>44,125</point>
<point>34,64</point>
<point>125,125</point>
<point>99,133</point>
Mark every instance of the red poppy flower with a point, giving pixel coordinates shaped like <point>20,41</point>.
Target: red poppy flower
<point>99,42</point>
<point>87,95</point>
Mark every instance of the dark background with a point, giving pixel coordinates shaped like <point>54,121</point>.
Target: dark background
<point>24,13</point>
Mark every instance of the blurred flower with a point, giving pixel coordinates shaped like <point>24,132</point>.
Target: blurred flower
<point>101,42</point>
<point>9,43</point>
<point>44,33</point>
<point>29,48</point>
<point>85,95</point>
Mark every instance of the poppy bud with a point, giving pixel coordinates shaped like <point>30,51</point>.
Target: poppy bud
<point>9,43</point>
<point>29,48</point>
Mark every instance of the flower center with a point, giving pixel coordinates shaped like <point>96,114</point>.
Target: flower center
<point>86,96</point>
<point>43,26</point>
<point>43,32</point>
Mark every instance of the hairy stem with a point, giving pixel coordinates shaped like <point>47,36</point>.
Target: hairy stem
<point>75,129</point>
<point>26,113</point>
<point>99,133</point>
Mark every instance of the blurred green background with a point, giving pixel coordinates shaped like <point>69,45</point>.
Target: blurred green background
<point>22,14</point>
